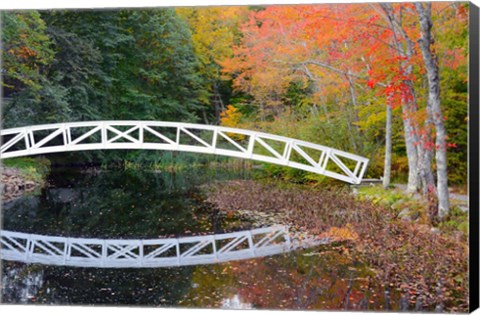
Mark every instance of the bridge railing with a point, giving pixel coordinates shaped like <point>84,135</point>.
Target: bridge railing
<point>123,253</point>
<point>160,135</point>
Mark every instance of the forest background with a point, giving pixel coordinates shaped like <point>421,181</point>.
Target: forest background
<point>385,81</point>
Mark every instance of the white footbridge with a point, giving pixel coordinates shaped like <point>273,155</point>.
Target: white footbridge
<point>175,136</point>
<point>172,136</point>
<point>149,253</point>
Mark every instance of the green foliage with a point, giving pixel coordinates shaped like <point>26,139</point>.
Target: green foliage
<point>455,100</point>
<point>99,65</point>
<point>170,161</point>
<point>457,220</point>
<point>25,48</point>
<point>157,76</point>
<point>126,64</point>
<point>386,197</point>
<point>65,65</point>
<point>35,169</point>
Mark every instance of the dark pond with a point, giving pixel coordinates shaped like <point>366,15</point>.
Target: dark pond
<point>133,204</point>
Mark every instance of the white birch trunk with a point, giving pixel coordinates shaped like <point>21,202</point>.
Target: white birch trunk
<point>424,155</point>
<point>419,156</point>
<point>412,152</point>
<point>409,108</point>
<point>433,105</point>
<point>388,149</point>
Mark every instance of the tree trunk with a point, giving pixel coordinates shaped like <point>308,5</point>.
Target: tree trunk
<point>423,171</point>
<point>388,149</point>
<point>408,107</point>
<point>412,152</point>
<point>355,113</point>
<point>426,157</point>
<point>205,119</point>
<point>218,96</point>
<point>350,129</point>
<point>419,158</point>
<point>433,105</point>
<point>217,102</point>
<point>217,113</point>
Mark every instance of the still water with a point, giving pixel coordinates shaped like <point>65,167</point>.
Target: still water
<point>133,204</point>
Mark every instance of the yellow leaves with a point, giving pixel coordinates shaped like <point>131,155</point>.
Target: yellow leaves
<point>213,33</point>
<point>373,119</point>
<point>231,118</point>
<point>345,233</point>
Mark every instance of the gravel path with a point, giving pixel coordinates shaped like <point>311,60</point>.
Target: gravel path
<point>453,196</point>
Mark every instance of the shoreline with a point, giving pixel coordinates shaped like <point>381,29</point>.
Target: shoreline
<point>421,262</point>
<point>14,185</point>
<point>16,181</point>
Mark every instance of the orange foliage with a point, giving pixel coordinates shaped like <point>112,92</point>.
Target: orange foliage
<point>345,233</point>
<point>328,44</point>
<point>25,52</point>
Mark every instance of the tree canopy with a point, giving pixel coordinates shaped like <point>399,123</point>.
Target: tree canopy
<point>387,81</point>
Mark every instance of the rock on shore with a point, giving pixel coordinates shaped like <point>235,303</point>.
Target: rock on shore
<point>13,184</point>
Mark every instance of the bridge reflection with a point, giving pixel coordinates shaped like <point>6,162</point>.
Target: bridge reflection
<point>149,253</point>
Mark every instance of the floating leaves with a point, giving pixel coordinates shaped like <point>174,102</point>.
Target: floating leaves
<point>408,258</point>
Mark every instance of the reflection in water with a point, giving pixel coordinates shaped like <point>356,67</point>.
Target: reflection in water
<point>288,281</point>
<point>144,253</point>
<point>119,205</point>
<point>115,205</point>
<point>324,278</point>
<point>21,283</point>
<point>235,303</point>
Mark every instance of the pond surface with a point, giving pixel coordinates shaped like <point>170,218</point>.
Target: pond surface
<point>133,204</point>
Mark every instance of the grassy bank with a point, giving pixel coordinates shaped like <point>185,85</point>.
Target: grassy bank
<point>29,169</point>
<point>426,266</point>
<point>414,208</point>
<point>172,161</point>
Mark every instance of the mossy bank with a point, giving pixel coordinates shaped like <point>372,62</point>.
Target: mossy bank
<point>23,175</point>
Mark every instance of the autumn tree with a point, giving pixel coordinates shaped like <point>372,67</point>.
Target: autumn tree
<point>431,137</point>
<point>25,48</point>
<point>433,103</point>
<point>214,31</point>
<point>361,60</point>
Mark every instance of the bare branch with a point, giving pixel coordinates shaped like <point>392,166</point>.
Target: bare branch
<point>347,74</point>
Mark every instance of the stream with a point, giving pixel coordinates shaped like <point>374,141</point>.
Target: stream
<point>133,204</point>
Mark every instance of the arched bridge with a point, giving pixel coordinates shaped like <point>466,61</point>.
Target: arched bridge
<point>175,136</point>
<point>150,253</point>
